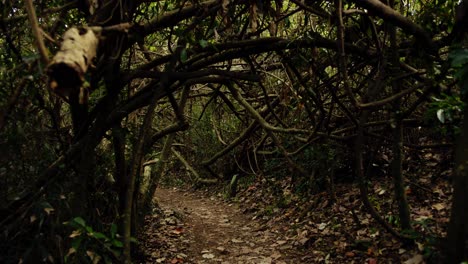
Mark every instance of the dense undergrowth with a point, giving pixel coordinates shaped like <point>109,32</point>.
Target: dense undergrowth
<point>305,107</point>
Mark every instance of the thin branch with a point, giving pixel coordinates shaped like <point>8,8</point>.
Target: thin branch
<point>37,32</point>
<point>320,13</point>
<point>173,17</point>
<point>389,14</point>
<point>191,169</point>
<point>189,75</point>
<point>236,94</point>
<point>389,99</point>
<point>341,53</point>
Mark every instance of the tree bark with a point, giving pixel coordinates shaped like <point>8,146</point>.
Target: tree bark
<point>397,148</point>
<point>457,237</point>
<point>397,173</point>
<point>136,168</point>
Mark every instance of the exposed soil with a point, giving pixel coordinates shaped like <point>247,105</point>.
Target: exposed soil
<point>200,229</point>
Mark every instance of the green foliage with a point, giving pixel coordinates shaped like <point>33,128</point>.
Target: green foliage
<point>393,220</point>
<point>321,160</point>
<point>459,62</point>
<point>300,77</point>
<point>435,16</point>
<point>448,110</point>
<point>91,246</point>
<point>269,210</point>
<point>202,141</point>
<point>246,180</point>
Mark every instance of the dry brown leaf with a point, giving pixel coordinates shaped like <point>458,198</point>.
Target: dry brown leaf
<point>75,233</point>
<point>32,218</point>
<point>48,210</point>
<point>208,256</point>
<point>179,230</point>
<point>71,251</point>
<point>416,259</point>
<point>370,251</point>
<point>438,206</point>
<point>176,260</point>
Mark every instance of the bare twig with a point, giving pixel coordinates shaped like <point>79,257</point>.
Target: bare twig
<point>37,32</point>
<point>342,54</point>
<point>392,16</point>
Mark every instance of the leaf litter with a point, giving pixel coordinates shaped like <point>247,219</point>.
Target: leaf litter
<point>201,227</point>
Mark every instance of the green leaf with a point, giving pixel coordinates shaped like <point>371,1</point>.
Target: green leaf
<point>183,55</point>
<point>441,115</point>
<point>203,43</point>
<point>76,243</point>
<point>99,235</point>
<point>458,57</point>
<point>113,230</point>
<point>133,240</point>
<point>80,221</point>
<point>116,252</point>
<point>117,243</point>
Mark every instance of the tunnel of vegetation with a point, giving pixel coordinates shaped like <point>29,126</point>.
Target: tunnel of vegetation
<point>312,92</point>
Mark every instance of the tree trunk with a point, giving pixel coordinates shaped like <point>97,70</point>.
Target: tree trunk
<point>129,205</point>
<point>396,168</point>
<point>120,174</point>
<point>457,244</point>
<point>397,148</point>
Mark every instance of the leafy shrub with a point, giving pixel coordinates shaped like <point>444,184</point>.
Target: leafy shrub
<point>89,245</point>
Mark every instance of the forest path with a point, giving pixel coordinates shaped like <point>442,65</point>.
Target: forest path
<point>202,229</point>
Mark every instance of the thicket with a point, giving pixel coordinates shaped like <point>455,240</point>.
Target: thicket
<point>313,92</point>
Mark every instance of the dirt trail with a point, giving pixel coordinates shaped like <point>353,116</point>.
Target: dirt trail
<point>209,230</point>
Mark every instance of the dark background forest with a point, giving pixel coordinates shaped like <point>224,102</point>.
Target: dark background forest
<point>104,100</point>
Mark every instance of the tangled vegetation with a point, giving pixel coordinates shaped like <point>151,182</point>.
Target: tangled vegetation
<point>101,98</point>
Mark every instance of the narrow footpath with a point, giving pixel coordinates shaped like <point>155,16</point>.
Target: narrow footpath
<point>191,227</point>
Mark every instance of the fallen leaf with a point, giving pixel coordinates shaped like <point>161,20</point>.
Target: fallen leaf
<point>350,254</point>
<point>95,258</point>
<point>416,259</point>
<point>408,191</point>
<point>381,192</point>
<point>304,241</point>
<point>176,260</point>
<point>71,251</point>
<point>252,188</point>
<point>222,250</point>
<point>281,242</point>
<point>438,206</point>
<point>48,210</point>
<point>276,255</point>
<point>267,260</point>
<point>75,233</point>
<point>322,226</point>
<point>370,251</point>
<point>32,218</point>
<point>420,246</point>
<point>179,230</point>
<point>208,256</point>
<point>234,240</point>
